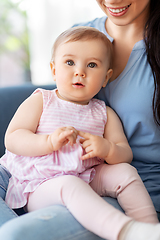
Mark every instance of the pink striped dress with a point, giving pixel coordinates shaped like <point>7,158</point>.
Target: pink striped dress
<point>29,172</point>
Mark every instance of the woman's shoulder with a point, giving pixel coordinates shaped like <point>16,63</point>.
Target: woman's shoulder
<point>98,23</point>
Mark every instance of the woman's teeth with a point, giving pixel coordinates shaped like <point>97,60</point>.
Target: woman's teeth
<point>118,10</point>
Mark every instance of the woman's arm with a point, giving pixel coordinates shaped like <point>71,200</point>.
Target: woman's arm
<point>113,147</point>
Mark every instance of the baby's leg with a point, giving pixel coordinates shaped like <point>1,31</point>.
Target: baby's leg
<point>85,205</point>
<point>122,181</point>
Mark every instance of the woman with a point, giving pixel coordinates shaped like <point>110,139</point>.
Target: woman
<point>136,85</point>
<point>134,89</point>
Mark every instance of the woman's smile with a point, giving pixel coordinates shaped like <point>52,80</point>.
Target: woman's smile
<point>125,12</point>
<point>118,11</point>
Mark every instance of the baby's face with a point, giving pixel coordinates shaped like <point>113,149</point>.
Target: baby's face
<point>80,69</point>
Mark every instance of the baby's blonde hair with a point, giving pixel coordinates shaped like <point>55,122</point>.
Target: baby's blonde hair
<point>83,33</point>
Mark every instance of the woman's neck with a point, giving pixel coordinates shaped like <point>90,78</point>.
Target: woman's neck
<point>125,37</point>
<point>130,33</point>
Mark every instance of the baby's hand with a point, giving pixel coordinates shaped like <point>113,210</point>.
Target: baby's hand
<point>94,146</point>
<point>62,136</point>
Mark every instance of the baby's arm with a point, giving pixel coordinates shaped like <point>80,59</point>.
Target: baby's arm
<point>113,147</point>
<point>21,137</point>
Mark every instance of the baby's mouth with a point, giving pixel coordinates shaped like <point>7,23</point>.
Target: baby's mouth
<point>78,84</point>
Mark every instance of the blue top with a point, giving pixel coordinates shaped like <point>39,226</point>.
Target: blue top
<point>130,95</point>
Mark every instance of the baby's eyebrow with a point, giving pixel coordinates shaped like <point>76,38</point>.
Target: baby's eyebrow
<point>95,59</point>
<point>90,59</point>
<point>68,55</point>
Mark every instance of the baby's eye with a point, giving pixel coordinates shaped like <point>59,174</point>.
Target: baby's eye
<point>70,62</point>
<point>92,65</point>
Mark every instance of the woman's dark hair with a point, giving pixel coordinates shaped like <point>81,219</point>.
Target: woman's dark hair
<point>152,41</point>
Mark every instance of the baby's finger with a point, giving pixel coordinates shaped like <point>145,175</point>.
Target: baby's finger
<point>82,140</point>
<point>65,142</point>
<point>87,145</point>
<point>84,134</point>
<point>72,139</point>
<point>87,156</point>
<point>64,135</point>
<point>72,128</point>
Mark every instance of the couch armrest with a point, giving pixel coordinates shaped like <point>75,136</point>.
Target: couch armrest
<point>10,99</point>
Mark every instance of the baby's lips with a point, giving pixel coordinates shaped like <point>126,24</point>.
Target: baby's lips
<point>78,84</point>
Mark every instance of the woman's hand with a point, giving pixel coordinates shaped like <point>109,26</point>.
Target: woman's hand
<point>62,136</point>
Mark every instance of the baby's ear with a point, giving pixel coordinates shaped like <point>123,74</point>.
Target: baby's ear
<point>108,76</point>
<point>53,70</point>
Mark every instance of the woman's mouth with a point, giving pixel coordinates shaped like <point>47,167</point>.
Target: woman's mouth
<point>118,11</point>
